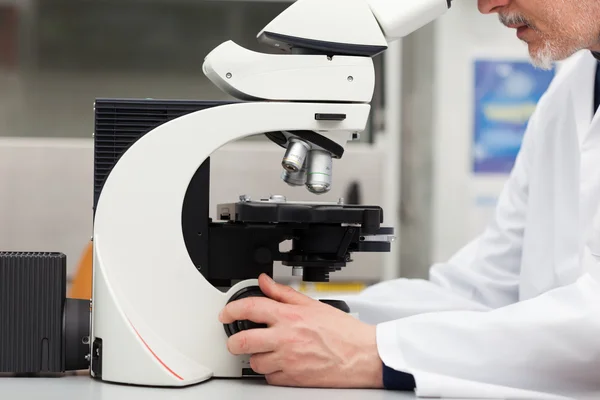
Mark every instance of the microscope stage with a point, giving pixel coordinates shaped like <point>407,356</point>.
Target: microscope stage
<point>277,210</point>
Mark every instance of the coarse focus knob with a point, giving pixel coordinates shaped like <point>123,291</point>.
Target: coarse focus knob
<point>238,326</point>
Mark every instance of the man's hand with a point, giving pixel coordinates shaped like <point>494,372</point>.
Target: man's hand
<point>306,342</point>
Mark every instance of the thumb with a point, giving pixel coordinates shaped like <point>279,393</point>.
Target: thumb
<point>281,293</point>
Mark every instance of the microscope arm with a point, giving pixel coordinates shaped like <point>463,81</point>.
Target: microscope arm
<point>158,257</point>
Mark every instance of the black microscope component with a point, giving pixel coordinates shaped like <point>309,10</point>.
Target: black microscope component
<point>41,330</point>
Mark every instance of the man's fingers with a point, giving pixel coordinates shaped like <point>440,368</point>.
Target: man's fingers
<point>265,363</point>
<point>256,309</point>
<point>258,340</point>
<point>281,293</point>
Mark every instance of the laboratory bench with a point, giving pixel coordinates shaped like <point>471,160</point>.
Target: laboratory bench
<point>82,387</point>
<point>86,388</point>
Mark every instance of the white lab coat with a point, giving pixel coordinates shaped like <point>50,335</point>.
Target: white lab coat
<point>520,305</point>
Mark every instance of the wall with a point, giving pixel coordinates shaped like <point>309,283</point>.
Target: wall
<point>417,152</point>
<point>459,37</point>
<point>443,204</point>
<point>61,104</point>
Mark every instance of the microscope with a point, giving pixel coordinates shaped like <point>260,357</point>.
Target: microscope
<point>162,268</point>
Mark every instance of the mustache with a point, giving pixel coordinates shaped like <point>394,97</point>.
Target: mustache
<point>515,19</point>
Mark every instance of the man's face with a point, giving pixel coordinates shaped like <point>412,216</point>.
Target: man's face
<point>552,29</point>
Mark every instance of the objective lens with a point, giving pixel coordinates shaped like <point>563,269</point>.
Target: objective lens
<point>295,178</point>
<point>319,171</point>
<point>295,155</point>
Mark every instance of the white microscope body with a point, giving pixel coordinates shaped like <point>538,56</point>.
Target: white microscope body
<point>154,316</point>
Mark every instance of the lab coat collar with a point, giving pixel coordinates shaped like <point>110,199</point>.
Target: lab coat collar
<point>582,90</point>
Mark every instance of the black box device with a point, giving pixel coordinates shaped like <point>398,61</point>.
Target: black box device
<point>41,331</point>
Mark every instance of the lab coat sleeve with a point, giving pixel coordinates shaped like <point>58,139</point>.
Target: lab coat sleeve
<point>483,275</point>
<point>550,343</point>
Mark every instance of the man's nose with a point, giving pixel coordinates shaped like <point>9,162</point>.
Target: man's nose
<point>491,6</point>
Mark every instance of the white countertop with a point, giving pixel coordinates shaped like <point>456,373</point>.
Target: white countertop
<point>86,388</point>
<point>82,387</point>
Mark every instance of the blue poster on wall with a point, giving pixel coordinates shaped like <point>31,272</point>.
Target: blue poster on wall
<point>506,93</point>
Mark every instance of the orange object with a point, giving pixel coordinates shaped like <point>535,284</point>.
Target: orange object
<point>81,287</point>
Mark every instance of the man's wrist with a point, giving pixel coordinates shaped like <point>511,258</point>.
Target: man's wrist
<point>375,370</point>
<point>367,367</point>
<point>375,374</point>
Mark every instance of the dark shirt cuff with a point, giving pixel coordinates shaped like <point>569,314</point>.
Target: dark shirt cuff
<point>396,380</point>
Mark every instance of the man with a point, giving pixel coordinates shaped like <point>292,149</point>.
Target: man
<point>520,305</point>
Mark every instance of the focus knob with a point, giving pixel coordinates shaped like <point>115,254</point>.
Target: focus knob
<point>238,326</point>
